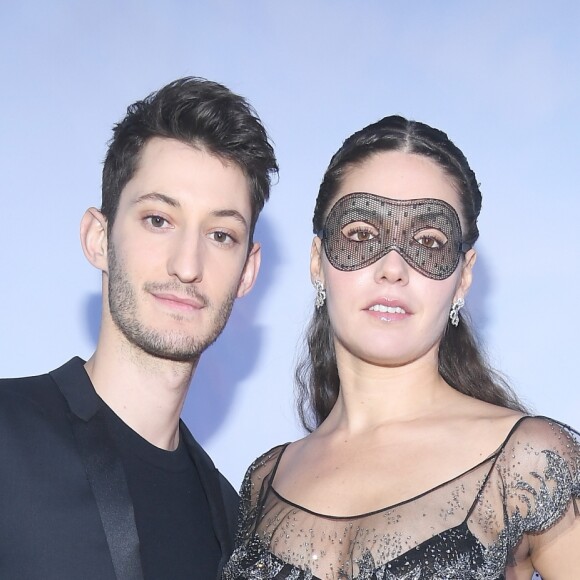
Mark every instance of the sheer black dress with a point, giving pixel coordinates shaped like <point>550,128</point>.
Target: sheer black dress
<point>471,527</point>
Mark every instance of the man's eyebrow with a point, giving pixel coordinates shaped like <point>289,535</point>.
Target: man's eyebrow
<point>154,196</point>
<point>231,213</point>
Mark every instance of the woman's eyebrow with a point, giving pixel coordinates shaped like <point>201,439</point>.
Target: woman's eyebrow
<point>361,214</point>
<point>431,216</point>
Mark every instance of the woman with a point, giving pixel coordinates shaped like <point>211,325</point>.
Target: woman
<point>421,462</point>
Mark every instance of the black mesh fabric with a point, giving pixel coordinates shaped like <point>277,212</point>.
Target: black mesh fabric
<point>476,526</point>
<point>425,232</point>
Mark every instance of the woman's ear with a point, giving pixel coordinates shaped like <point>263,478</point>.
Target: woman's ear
<point>316,260</point>
<point>94,238</point>
<point>466,274</point>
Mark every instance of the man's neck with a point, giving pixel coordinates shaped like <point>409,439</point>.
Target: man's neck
<point>146,392</point>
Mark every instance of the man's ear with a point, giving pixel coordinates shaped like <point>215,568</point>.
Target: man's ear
<point>94,238</point>
<point>251,269</point>
<point>466,274</point>
<point>316,260</point>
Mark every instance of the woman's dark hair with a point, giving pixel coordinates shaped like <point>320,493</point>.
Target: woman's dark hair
<point>461,362</point>
<point>202,114</point>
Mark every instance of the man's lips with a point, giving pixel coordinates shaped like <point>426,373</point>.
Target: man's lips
<point>180,302</point>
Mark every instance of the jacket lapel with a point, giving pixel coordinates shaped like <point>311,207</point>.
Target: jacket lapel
<point>103,468</point>
<point>224,522</point>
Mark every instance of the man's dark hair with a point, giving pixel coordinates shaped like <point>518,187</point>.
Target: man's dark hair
<point>200,113</point>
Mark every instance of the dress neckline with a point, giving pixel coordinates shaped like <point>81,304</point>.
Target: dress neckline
<point>492,457</point>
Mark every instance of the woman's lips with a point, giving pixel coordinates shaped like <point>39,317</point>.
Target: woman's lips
<point>388,310</point>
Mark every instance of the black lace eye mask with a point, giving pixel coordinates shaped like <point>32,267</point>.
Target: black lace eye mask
<point>362,227</point>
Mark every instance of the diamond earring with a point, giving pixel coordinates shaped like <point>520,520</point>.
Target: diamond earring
<point>320,294</point>
<point>454,312</point>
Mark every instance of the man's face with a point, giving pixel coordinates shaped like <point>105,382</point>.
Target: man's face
<point>178,250</point>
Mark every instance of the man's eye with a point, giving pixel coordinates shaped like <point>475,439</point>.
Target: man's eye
<point>157,221</point>
<point>222,237</point>
<point>431,239</point>
<point>360,233</point>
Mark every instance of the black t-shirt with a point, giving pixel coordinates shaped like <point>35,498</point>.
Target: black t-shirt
<point>172,513</point>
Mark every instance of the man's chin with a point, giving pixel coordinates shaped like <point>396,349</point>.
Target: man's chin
<point>177,356</point>
<point>171,344</point>
<point>176,349</point>
<point>172,352</point>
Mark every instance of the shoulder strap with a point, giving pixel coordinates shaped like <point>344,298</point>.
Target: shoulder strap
<point>494,457</point>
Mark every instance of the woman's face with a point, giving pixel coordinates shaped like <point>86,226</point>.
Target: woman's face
<point>388,312</point>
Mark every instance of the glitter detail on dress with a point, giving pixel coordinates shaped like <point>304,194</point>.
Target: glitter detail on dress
<point>470,528</point>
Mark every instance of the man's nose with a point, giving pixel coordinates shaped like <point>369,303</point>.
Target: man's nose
<point>186,258</point>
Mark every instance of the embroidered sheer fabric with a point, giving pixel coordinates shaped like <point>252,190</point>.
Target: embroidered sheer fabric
<point>472,527</point>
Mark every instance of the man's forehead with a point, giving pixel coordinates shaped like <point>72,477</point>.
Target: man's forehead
<point>188,174</point>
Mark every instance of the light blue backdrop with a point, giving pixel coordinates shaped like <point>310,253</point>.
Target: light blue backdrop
<point>501,77</point>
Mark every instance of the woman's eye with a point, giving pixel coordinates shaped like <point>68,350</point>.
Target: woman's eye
<point>360,233</point>
<point>430,241</point>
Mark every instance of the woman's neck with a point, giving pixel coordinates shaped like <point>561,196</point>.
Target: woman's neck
<point>371,395</point>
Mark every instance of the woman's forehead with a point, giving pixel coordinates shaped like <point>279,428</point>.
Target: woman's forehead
<point>399,175</point>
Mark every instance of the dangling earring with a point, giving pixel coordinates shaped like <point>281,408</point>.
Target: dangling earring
<point>320,294</point>
<point>454,312</point>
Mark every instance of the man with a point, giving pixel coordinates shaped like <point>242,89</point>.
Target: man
<point>100,479</point>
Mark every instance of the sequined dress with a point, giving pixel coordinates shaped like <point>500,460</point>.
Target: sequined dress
<point>471,527</point>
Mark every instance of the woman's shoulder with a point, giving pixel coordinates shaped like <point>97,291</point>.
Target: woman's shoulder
<point>270,456</point>
<point>537,434</point>
<point>516,432</point>
<point>540,451</point>
<point>539,469</point>
<point>265,464</point>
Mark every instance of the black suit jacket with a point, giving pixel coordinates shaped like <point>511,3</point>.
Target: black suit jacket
<point>65,509</point>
